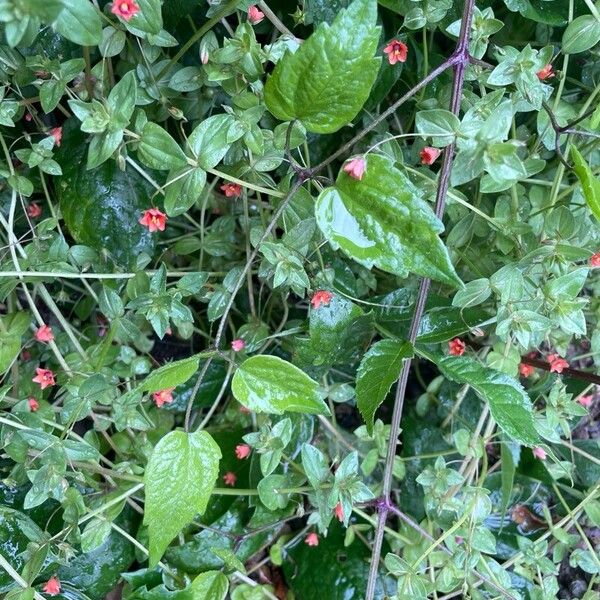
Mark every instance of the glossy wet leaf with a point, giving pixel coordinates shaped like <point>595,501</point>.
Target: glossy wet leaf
<point>102,207</point>
<point>79,22</point>
<point>179,480</point>
<point>590,184</point>
<point>212,585</point>
<point>271,385</point>
<point>509,403</point>
<point>383,221</point>
<point>378,370</point>
<point>158,150</point>
<point>171,375</point>
<point>328,79</point>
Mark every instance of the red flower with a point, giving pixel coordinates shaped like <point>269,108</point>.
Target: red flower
<point>126,9</point>
<point>397,51</point>
<point>429,155</point>
<point>321,298</point>
<point>586,400</point>
<point>242,451</point>
<point>356,167</point>
<point>230,478</point>
<point>52,586</point>
<point>539,453</point>
<point>163,397</point>
<point>338,511</point>
<point>255,16</point>
<point>526,370</point>
<point>33,404</point>
<point>34,210</point>
<point>56,133</point>
<point>546,73</point>
<point>595,260</point>
<point>44,334</point>
<point>238,345</point>
<point>557,364</point>
<point>45,377</point>
<point>456,347</point>
<point>312,539</point>
<point>231,190</point>
<point>154,220</point>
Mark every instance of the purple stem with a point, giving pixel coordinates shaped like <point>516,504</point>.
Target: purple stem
<point>459,60</point>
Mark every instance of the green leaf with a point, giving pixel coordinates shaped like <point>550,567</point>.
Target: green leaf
<point>211,140</point>
<point>184,191</point>
<point>327,81</point>
<point>179,480</point>
<point>171,375</point>
<point>508,401</point>
<point>211,585</point>
<point>121,101</point>
<point>442,125</point>
<point>581,34</point>
<point>590,184</point>
<point>80,22</point>
<point>383,221</point>
<point>148,19</point>
<point>158,150</point>
<point>271,385</point>
<point>378,370</point>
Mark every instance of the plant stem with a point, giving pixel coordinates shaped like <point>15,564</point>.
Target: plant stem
<point>460,61</point>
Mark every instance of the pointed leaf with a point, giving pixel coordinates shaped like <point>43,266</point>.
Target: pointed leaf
<point>179,480</point>
<point>508,401</point>
<point>590,184</point>
<point>80,22</point>
<point>271,385</point>
<point>378,370</point>
<point>327,81</point>
<point>171,375</point>
<point>210,585</point>
<point>383,221</point>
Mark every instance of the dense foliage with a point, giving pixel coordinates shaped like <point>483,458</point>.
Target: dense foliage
<point>298,300</point>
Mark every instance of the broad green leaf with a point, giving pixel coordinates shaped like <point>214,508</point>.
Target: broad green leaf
<point>581,34</point>
<point>327,81</point>
<point>441,125</point>
<point>378,370</point>
<point>271,385</point>
<point>148,19</point>
<point>211,585</point>
<point>80,22</point>
<point>171,375</point>
<point>590,184</point>
<point>185,189</point>
<point>383,221</point>
<point>179,480</point>
<point>158,150</point>
<point>508,401</point>
<point>211,140</point>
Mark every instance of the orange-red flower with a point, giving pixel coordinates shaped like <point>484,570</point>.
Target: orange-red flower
<point>238,345</point>
<point>231,190</point>
<point>539,453</point>
<point>56,133</point>
<point>356,167</point>
<point>255,16</point>
<point>456,347</point>
<point>34,210</point>
<point>429,155</point>
<point>526,370</point>
<point>163,397</point>
<point>557,364</point>
<point>321,298</point>
<point>33,404</point>
<point>52,586</point>
<point>44,334</point>
<point>312,539</point>
<point>396,51</point>
<point>546,73</point>
<point>230,478</point>
<point>242,451</point>
<point>45,377</point>
<point>338,511</point>
<point>595,260</point>
<point>154,220</point>
<point>126,9</point>
<point>586,400</point>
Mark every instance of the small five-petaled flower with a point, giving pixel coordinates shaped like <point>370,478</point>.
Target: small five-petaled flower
<point>44,334</point>
<point>557,363</point>
<point>546,73</point>
<point>586,400</point>
<point>238,345</point>
<point>229,478</point>
<point>338,511</point>
<point>52,586</point>
<point>45,377</point>
<point>321,298</point>
<point>154,220</point>
<point>356,167</point>
<point>163,397</point>
<point>56,133</point>
<point>33,404</point>
<point>526,370</point>
<point>231,190</point>
<point>539,453</point>
<point>429,155</point>
<point>126,9</point>
<point>255,16</point>
<point>396,51</point>
<point>312,539</point>
<point>242,451</point>
<point>456,347</point>
<point>595,260</point>
<point>34,210</point>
